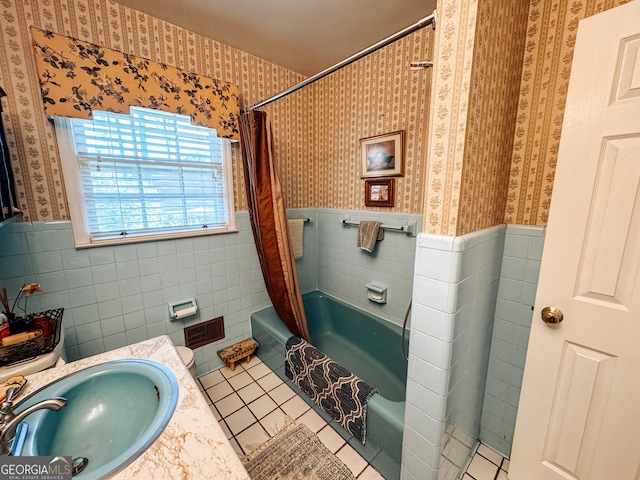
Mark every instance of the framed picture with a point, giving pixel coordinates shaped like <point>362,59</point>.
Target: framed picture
<point>379,192</point>
<point>383,155</point>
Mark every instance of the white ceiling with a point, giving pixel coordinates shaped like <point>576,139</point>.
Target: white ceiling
<point>306,36</point>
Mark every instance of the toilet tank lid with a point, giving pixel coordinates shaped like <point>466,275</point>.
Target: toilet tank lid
<point>186,354</point>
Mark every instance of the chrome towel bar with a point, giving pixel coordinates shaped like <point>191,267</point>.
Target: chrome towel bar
<point>409,229</point>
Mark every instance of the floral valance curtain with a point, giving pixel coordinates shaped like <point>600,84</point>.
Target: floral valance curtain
<point>77,77</point>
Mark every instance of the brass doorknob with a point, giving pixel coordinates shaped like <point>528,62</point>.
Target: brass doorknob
<point>551,315</point>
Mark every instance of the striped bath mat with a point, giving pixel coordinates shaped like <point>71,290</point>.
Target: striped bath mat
<point>335,389</point>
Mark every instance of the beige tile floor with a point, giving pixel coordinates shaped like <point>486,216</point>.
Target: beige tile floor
<point>487,465</point>
<point>251,404</point>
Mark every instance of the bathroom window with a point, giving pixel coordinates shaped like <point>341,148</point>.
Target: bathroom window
<point>144,176</point>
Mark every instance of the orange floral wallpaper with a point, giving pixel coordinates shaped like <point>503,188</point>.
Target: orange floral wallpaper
<point>550,40</point>
<point>30,136</point>
<point>77,77</point>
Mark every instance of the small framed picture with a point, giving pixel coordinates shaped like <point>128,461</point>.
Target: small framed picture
<point>382,155</point>
<point>379,192</point>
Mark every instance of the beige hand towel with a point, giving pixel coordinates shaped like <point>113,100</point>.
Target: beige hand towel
<point>369,232</point>
<point>296,232</point>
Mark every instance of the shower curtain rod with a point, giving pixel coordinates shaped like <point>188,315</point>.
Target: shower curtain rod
<point>429,20</point>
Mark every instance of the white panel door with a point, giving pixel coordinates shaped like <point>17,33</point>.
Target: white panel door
<point>579,413</point>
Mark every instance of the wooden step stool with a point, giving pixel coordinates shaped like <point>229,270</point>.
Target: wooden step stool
<point>240,350</point>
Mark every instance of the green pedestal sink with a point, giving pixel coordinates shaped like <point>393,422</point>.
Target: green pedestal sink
<point>115,411</point>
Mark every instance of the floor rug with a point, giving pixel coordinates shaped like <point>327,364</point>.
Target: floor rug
<point>295,453</point>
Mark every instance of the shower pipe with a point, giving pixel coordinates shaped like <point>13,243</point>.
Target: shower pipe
<point>429,20</point>
<point>404,329</point>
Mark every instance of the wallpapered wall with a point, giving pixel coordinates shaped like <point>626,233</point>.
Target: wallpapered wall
<point>376,95</point>
<point>30,136</point>
<point>493,103</point>
<point>317,129</point>
<point>550,40</point>
<point>472,102</point>
<point>454,42</point>
<point>479,47</point>
<point>463,193</point>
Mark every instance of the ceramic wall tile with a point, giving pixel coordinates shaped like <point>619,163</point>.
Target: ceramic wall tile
<point>451,330</point>
<point>343,270</point>
<point>116,295</point>
<point>516,296</point>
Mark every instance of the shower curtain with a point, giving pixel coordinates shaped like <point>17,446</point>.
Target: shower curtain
<point>268,221</point>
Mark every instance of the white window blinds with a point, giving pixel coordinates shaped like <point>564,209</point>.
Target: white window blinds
<point>149,173</point>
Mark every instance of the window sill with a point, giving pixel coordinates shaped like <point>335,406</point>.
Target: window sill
<point>149,238</point>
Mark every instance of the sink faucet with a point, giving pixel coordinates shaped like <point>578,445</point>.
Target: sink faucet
<point>9,421</point>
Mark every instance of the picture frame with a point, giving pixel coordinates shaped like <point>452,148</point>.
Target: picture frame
<point>379,192</point>
<point>383,155</point>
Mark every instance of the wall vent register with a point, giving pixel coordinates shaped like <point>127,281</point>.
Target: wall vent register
<point>204,333</point>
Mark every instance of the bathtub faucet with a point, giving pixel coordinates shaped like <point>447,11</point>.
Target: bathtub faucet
<point>9,421</point>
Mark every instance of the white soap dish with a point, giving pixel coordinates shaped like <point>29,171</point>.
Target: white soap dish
<point>376,293</point>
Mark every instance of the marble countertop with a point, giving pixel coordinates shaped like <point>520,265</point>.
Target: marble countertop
<point>192,446</point>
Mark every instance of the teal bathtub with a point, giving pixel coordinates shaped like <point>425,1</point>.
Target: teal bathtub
<point>365,344</point>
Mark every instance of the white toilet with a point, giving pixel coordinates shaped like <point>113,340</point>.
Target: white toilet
<point>52,359</point>
<point>188,358</point>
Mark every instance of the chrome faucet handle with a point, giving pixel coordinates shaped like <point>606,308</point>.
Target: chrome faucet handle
<point>12,392</point>
<point>7,406</point>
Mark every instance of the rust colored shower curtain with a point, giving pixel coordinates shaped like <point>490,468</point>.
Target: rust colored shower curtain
<point>269,222</point>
